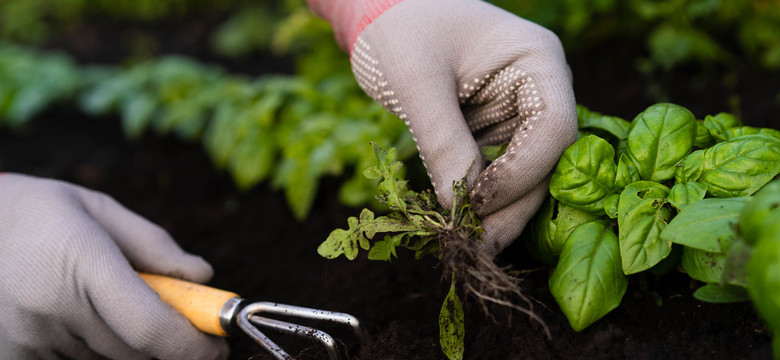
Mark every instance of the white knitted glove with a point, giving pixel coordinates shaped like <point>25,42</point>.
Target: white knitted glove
<point>462,74</point>
<point>68,288</point>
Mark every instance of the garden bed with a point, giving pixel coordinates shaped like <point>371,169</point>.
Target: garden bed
<point>261,252</point>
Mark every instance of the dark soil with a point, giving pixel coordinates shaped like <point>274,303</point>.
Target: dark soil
<point>261,252</point>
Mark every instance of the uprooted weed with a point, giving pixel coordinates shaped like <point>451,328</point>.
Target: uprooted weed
<point>465,260</point>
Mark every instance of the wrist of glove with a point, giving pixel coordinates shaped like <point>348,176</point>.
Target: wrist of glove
<point>68,281</point>
<point>462,74</point>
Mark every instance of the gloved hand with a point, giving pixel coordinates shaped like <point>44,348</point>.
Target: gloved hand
<point>462,74</point>
<point>68,287</point>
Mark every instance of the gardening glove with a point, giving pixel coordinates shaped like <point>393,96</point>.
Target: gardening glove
<point>68,281</point>
<point>463,74</point>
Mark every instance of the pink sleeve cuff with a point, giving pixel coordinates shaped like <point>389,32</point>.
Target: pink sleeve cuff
<point>350,17</point>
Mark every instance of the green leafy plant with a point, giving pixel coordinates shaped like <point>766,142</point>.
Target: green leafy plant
<point>663,191</point>
<point>418,223</point>
<point>287,130</point>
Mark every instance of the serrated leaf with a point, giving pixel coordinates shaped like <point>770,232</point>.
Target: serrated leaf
<point>641,218</point>
<point>385,250</point>
<point>251,161</point>
<point>707,224</point>
<point>137,114</point>
<point>684,194</point>
<point>585,174</point>
<point>391,187</point>
<point>452,329</point>
<point>740,166</point>
<point>588,282</point>
<point>659,138</point>
<point>361,229</point>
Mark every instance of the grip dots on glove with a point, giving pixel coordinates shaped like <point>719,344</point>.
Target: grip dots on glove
<point>495,105</point>
<point>509,104</point>
<point>373,81</point>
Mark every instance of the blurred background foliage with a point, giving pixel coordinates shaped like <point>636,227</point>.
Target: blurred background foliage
<point>266,90</point>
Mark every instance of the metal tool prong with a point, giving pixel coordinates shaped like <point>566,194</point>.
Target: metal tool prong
<point>248,319</point>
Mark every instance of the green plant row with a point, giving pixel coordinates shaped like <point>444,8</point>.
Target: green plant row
<point>284,129</point>
<point>675,31</point>
<point>664,191</point>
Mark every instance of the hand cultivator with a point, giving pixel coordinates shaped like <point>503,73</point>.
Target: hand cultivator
<point>220,312</point>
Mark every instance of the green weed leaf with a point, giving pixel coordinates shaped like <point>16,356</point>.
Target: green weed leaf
<point>452,330</point>
<point>588,282</point>
<point>660,137</point>
<point>392,188</point>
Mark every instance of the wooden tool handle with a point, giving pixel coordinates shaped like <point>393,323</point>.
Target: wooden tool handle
<point>200,304</point>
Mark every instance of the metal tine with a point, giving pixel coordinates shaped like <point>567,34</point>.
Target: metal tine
<point>248,316</point>
<point>259,337</point>
<point>310,314</point>
<point>295,329</point>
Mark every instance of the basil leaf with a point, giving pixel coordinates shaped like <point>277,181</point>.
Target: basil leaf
<point>625,173</point>
<point>703,137</point>
<point>736,132</point>
<point>741,166</point>
<point>588,282</point>
<point>761,214</point>
<point>659,138</point>
<point>707,224</point>
<point>703,265</point>
<point>718,124</point>
<point>611,204</point>
<point>585,174</point>
<point>690,168</point>
<point>684,194</point>
<point>737,257</point>
<point>764,285</point>
<point>721,294</point>
<point>452,331</point>
<point>552,226</point>
<point>592,120</point>
<point>641,218</point>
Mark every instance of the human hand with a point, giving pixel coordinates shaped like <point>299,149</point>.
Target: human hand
<point>68,281</point>
<point>463,74</point>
